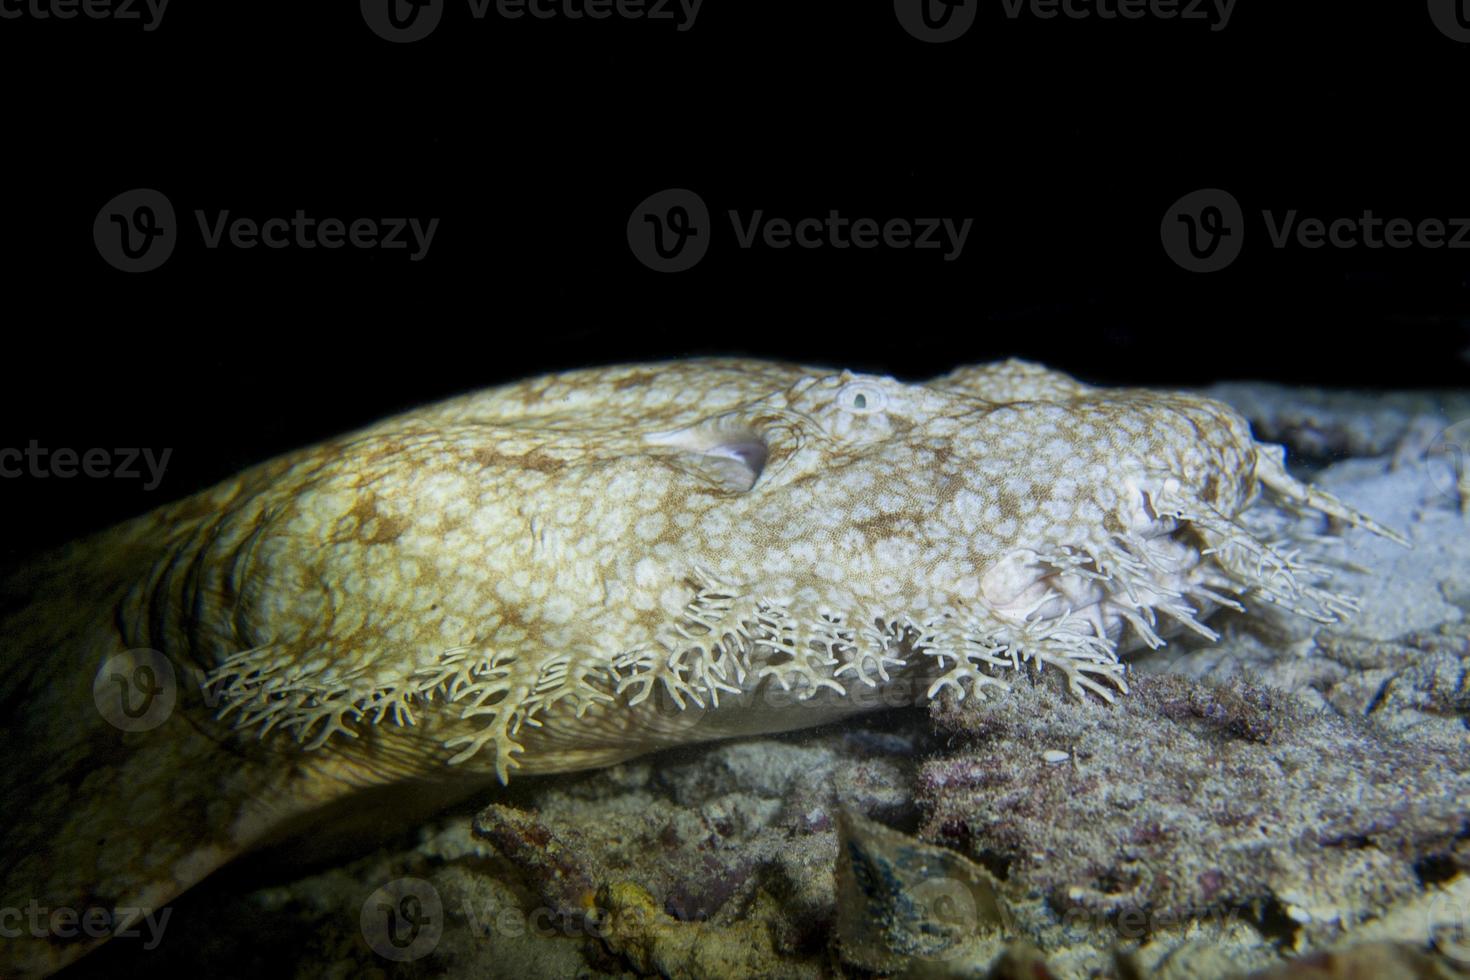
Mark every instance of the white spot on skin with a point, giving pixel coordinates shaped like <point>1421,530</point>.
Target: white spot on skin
<point>646,574</point>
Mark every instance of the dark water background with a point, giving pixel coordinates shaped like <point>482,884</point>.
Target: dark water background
<point>1065,141</point>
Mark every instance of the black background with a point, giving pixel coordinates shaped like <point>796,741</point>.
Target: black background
<point>533,141</point>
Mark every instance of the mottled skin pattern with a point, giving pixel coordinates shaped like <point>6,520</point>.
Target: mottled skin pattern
<point>577,569</point>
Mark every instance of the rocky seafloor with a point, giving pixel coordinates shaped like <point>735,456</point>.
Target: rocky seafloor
<point>1291,801</point>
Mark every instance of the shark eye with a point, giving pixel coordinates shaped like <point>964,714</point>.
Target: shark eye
<point>861,398</point>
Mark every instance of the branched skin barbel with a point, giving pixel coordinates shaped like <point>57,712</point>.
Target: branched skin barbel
<point>581,568</point>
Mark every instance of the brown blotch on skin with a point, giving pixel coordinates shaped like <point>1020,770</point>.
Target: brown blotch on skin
<point>534,460</point>
<point>881,526</point>
<point>385,451</point>
<point>1211,487</point>
<point>489,457</point>
<point>638,379</point>
<point>388,530</point>
<point>541,463</point>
